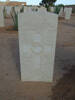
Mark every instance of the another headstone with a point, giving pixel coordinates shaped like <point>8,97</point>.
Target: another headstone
<point>37,42</point>
<point>34,9</point>
<point>42,9</point>
<point>51,9</point>
<point>8,10</point>
<point>1,16</point>
<point>67,12</point>
<point>26,9</point>
<point>30,9</point>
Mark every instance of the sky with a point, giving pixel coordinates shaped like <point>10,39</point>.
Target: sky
<point>65,2</point>
<point>36,2</point>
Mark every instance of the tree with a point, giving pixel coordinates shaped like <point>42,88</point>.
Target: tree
<point>58,7</point>
<point>47,3</point>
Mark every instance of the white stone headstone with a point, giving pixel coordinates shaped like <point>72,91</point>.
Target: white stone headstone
<point>27,9</point>
<point>68,12</point>
<point>34,9</point>
<point>42,10</point>
<point>30,9</point>
<point>8,10</point>
<point>1,16</point>
<point>52,9</point>
<point>37,42</point>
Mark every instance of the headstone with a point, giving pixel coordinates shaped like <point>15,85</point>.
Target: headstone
<point>34,9</point>
<point>68,12</point>
<point>52,9</point>
<point>26,9</point>
<point>1,16</point>
<point>8,10</point>
<point>42,9</point>
<point>30,9</point>
<point>61,12</point>
<point>37,42</point>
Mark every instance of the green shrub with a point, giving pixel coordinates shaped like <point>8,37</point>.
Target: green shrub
<point>60,5</point>
<point>57,8</point>
<point>16,21</point>
<point>15,18</point>
<point>4,12</point>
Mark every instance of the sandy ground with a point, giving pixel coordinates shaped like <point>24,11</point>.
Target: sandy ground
<point>11,87</point>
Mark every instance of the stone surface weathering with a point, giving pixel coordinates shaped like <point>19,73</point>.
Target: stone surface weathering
<point>37,42</point>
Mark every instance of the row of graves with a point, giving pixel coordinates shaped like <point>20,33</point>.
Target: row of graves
<point>37,30</point>
<point>12,11</point>
<point>66,13</point>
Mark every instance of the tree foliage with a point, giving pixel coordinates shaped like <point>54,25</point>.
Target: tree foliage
<point>47,2</point>
<point>58,7</point>
<point>14,16</point>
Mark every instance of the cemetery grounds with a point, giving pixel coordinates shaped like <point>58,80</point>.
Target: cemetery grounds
<point>63,87</point>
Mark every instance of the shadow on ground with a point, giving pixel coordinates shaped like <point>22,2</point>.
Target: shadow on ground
<point>14,47</point>
<point>65,87</point>
<point>69,24</point>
